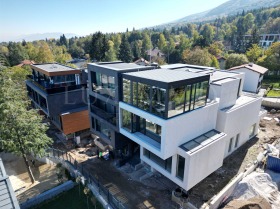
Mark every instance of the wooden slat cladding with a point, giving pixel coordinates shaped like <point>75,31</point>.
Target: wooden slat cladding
<point>74,122</point>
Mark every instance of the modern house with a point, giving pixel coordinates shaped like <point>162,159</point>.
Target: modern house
<point>266,40</point>
<point>60,92</point>
<point>253,76</point>
<point>8,198</point>
<point>187,120</point>
<point>105,92</point>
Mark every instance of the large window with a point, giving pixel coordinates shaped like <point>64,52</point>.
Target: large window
<point>165,164</point>
<point>176,101</point>
<point>134,123</point>
<point>153,99</point>
<point>126,91</point>
<point>103,128</point>
<point>252,130</point>
<point>180,167</point>
<point>103,84</point>
<point>103,109</point>
<point>158,101</point>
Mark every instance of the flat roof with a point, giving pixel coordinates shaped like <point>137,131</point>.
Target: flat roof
<point>119,66</point>
<point>242,100</point>
<point>201,141</point>
<point>180,65</point>
<point>164,75</point>
<point>54,69</point>
<point>223,80</point>
<point>8,199</point>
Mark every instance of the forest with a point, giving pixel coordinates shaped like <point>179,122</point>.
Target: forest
<point>192,43</point>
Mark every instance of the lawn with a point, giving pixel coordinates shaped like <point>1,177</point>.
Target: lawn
<point>70,200</point>
<point>273,93</point>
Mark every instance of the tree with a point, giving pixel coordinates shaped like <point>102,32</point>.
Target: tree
<point>216,48</point>
<point>16,53</point>
<point>45,54</point>
<point>32,51</point>
<point>21,130</point>
<point>110,55</point>
<point>136,50</point>
<point>236,60</point>
<point>197,56</point>
<point>146,44</point>
<point>254,53</point>
<point>271,59</point>
<point>63,41</point>
<point>60,54</point>
<point>125,54</point>
<point>99,46</point>
<point>161,42</point>
<point>207,34</point>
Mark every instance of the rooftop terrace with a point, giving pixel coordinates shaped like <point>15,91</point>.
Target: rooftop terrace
<point>118,66</point>
<point>54,69</point>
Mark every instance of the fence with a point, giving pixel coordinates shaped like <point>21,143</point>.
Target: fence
<point>63,157</point>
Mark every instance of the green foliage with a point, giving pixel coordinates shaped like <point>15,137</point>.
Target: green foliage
<point>271,59</point>
<point>110,55</point>
<point>161,42</point>
<point>125,53</point>
<point>197,56</point>
<point>21,130</point>
<point>254,53</point>
<point>99,46</point>
<point>236,60</point>
<point>16,53</point>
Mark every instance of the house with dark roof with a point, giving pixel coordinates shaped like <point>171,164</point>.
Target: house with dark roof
<point>253,76</point>
<point>8,198</point>
<point>60,92</point>
<point>155,53</point>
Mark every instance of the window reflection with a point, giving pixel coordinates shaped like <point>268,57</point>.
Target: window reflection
<point>103,84</point>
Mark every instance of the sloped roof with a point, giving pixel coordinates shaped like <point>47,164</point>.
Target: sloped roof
<point>7,196</point>
<point>26,62</point>
<point>251,66</point>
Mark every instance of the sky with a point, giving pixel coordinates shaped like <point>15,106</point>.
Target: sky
<point>84,17</point>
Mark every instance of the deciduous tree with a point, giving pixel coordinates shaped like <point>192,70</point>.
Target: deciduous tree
<point>236,60</point>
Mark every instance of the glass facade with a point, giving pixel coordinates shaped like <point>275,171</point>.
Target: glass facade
<point>103,84</point>
<point>103,128</point>
<point>134,123</point>
<point>153,99</point>
<point>103,109</point>
<point>165,164</point>
<point>180,167</point>
<point>187,98</point>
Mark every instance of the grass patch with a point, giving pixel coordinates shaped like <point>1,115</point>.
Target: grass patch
<point>274,82</point>
<point>70,200</point>
<point>273,93</point>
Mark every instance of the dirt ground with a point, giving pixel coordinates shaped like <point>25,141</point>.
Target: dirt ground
<point>45,176</point>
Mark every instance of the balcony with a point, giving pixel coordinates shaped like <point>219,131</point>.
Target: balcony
<point>54,88</point>
<point>110,117</point>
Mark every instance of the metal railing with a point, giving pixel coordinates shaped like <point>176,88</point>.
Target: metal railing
<point>111,199</point>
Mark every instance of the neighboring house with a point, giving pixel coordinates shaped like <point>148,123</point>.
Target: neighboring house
<point>60,92</point>
<point>142,62</point>
<point>266,40</point>
<point>26,62</point>
<point>105,91</point>
<point>253,76</point>
<point>154,54</point>
<point>184,119</point>
<point>222,62</point>
<point>8,198</point>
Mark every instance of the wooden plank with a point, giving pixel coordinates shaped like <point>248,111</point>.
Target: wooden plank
<point>74,122</point>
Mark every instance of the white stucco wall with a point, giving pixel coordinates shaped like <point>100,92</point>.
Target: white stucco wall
<point>238,120</point>
<point>174,131</point>
<point>251,80</point>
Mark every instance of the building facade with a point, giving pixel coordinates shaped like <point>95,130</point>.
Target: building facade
<point>60,92</point>
<point>187,120</point>
<point>253,76</point>
<point>104,95</point>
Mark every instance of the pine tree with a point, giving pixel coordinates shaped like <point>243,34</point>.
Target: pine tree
<point>125,54</point>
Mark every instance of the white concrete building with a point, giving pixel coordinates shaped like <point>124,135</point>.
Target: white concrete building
<point>266,40</point>
<point>253,76</point>
<point>186,119</point>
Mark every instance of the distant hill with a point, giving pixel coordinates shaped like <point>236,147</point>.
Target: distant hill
<point>230,7</point>
<point>43,36</point>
